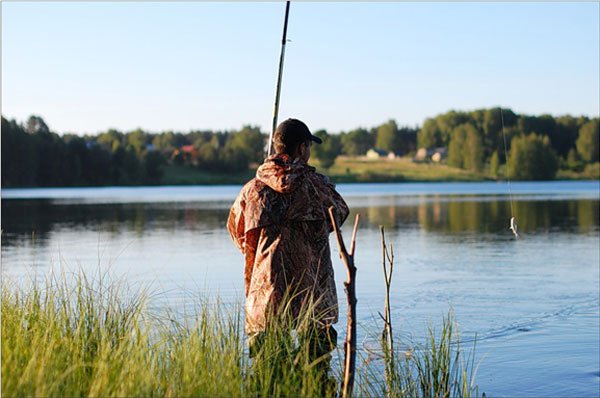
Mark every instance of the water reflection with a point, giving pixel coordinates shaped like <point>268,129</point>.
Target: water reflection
<point>448,254</point>
<point>24,219</point>
<point>486,216</point>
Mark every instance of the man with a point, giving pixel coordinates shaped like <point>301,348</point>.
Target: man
<point>280,222</point>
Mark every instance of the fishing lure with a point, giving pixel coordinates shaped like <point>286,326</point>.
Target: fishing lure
<point>513,226</point>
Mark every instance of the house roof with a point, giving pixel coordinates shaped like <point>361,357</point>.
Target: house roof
<point>188,148</point>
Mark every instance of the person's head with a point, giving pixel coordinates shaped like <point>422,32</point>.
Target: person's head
<point>293,137</point>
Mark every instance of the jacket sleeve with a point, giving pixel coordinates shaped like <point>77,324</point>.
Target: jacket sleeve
<point>236,222</point>
<point>340,208</point>
<point>331,197</point>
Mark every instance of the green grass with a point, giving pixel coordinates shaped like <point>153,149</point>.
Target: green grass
<point>439,370</point>
<point>590,172</point>
<point>360,169</point>
<point>356,169</point>
<point>92,337</point>
<point>345,169</point>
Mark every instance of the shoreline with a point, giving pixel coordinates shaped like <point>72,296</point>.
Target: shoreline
<point>345,171</point>
<point>335,181</point>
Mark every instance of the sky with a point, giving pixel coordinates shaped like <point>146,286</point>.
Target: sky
<point>88,66</point>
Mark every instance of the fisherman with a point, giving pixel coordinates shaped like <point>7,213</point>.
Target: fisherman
<point>280,222</point>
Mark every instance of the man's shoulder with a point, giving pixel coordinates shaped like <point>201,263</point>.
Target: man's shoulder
<point>322,179</point>
<point>254,188</point>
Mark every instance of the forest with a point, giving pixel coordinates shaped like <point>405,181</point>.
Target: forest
<point>537,147</point>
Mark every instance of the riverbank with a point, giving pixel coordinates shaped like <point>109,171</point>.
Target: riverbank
<point>357,170</point>
<point>84,336</point>
<point>360,169</point>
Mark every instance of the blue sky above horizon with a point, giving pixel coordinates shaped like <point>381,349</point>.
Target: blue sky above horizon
<point>89,66</point>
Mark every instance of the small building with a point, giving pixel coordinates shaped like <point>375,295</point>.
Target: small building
<point>188,149</point>
<point>376,153</point>
<point>435,155</point>
<point>439,154</point>
<point>186,154</point>
<point>421,155</point>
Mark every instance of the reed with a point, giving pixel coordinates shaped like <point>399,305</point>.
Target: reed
<point>436,369</point>
<point>81,336</point>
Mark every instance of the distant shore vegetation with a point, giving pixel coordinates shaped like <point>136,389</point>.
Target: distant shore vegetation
<point>454,146</point>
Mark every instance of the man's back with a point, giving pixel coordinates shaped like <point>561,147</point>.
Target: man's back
<point>280,223</point>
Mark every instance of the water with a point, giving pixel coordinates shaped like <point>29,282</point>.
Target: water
<point>532,304</point>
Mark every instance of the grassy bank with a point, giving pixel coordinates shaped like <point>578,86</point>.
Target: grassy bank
<point>345,169</point>
<point>360,169</point>
<point>590,172</point>
<point>93,338</point>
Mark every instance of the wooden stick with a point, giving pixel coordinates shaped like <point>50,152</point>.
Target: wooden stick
<point>388,334</point>
<point>353,241</point>
<point>350,287</point>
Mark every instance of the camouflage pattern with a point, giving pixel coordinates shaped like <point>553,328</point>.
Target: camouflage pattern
<point>280,222</point>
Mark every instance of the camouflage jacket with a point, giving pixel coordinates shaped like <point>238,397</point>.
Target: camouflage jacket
<point>280,222</point>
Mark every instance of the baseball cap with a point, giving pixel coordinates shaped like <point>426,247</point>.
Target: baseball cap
<point>294,131</point>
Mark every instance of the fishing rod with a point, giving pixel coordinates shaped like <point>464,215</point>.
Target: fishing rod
<point>513,220</point>
<point>279,76</point>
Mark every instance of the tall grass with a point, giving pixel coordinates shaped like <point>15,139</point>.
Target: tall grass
<point>438,368</point>
<point>97,337</point>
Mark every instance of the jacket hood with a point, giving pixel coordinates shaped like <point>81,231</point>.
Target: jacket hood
<point>282,174</point>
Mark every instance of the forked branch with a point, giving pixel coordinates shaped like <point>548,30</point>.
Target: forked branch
<point>350,287</point>
<point>387,338</point>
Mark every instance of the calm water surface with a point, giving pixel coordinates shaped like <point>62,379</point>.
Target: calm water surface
<point>532,303</point>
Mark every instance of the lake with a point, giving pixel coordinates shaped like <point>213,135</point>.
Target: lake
<point>532,303</point>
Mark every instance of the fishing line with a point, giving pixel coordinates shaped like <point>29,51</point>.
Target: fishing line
<point>279,77</point>
<point>513,222</point>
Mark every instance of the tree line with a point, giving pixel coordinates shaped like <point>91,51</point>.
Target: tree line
<point>33,155</point>
<point>537,145</point>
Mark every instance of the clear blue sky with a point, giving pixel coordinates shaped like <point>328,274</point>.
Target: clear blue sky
<point>88,66</point>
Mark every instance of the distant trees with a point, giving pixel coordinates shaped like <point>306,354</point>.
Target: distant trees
<point>429,135</point>
<point>494,164</point>
<point>250,142</point>
<point>465,150</point>
<point>407,140</point>
<point>483,141</point>
<point>574,162</point>
<point>532,158</point>
<point>33,155</point>
<point>436,131</point>
<point>588,141</point>
<point>36,124</point>
<point>387,136</point>
<point>227,151</point>
<point>356,142</point>
<point>391,138</point>
<point>328,150</point>
<point>19,156</point>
